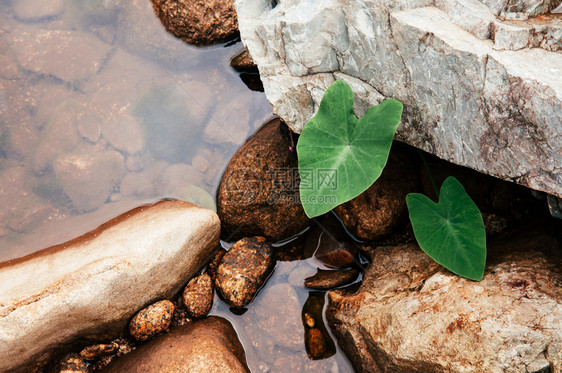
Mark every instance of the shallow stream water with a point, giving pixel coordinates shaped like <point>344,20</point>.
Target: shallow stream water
<point>101,110</point>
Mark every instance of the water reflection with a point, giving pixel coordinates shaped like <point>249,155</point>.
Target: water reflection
<point>102,110</point>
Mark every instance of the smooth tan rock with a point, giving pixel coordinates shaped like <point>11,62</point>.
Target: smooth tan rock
<point>412,315</point>
<point>90,287</point>
<point>207,346</point>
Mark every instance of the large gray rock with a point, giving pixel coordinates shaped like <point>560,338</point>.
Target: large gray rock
<point>412,315</point>
<point>471,100</point>
<point>88,289</point>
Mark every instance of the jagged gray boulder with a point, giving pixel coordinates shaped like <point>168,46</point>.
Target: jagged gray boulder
<point>475,93</point>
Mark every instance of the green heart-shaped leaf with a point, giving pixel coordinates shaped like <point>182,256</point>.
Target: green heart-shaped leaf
<point>339,155</point>
<point>451,231</point>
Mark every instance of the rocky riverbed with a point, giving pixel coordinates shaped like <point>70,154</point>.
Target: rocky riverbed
<point>256,286</point>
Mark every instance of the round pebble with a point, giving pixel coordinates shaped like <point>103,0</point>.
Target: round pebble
<point>198,296</point>
<point>152,320</point>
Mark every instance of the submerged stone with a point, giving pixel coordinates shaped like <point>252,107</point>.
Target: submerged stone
<point>243,270</point>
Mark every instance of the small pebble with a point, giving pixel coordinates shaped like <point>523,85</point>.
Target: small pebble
<point>243,62</point>
<point>315,344</point>
<point>214,264</point>
<point>309,320</point>
<point>198,296</point>
<point>95,351</point>
<point>243,270</point>
<point>325,280</point>
<point>72,363</point>
<point>152,320</point>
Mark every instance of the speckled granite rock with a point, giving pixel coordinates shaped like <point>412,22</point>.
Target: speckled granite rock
<point>209,345</point>
<point>243,270</point>
<point>197,21</point>
<point>91,286</point>
<point>152,320</point>
<point>411,315</point>
<point>468,98</point>
<point>198,296</point>
<point>258,194</point>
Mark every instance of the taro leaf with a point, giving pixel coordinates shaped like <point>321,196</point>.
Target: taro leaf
<point>451,231</point>
<point>339,155</point>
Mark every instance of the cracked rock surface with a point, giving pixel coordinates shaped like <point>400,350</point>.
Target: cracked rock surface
<point>481,81</point>
<point>412,315</point>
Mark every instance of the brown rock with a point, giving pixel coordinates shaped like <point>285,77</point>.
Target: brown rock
<point>381,209</point>
<point>327,241</point>
<point>213,265</point>
<point>243,62</point>
<point>411,315</point>
<point>318,343</point>
<point>198,296</point>
<point>325,280</point>
<point>209,345</point>
<point>243,270</point>
<point>72,363</point>
<point>197,21</point>
<point>93,352</point>
<point>152,320</point>
<point>258,194</point>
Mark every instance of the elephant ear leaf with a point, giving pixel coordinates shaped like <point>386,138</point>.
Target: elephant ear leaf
<point>451,231</point>
<point>340,156</point>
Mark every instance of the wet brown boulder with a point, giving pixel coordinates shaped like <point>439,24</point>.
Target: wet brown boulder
<point>201,22</point>
<point>152,320</point>
<point>209,345</point>
<point>381,209</point>
<point>325,280</point>
<point>412,315</point>
<point>258,194</point>
<point>243,62</point>
<point>198,296</point>
<point>243,270</point>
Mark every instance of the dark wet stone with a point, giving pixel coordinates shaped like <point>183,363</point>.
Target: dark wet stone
<point>325,280</point>
<point>197,21</point>
<point>318,343</point>
<point>381,209</point>
<point>504,205</point>
<point>72,363</point>
<point>209,345</point>
<point>258,194</point>
<point>328,242</point>
<point>252,81</point>
<point>124,346</point>
<point>315,344</point>
<point>243,270</point>
<point>213,265</point>
<point>152,320</point>
<point>198,296</point>
<point>243,62</point>
<point>93,352</point>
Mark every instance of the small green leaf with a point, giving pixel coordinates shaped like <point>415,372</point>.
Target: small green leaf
<point>451,231</point>
<point>341,156</point>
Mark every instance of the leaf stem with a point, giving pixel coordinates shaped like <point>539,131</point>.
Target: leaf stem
<point>429,173</point>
